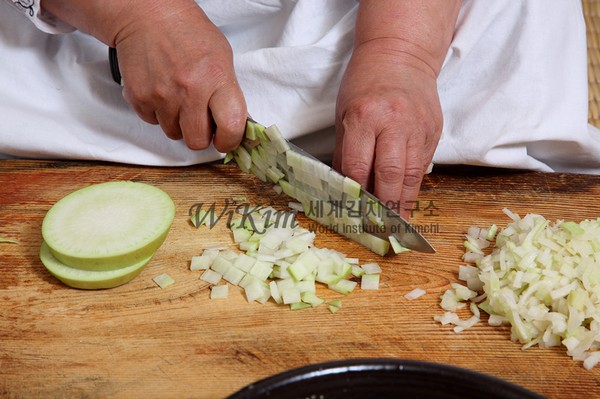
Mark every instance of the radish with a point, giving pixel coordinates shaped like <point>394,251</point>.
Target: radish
<point>87,279</point>
<point>107,227</point>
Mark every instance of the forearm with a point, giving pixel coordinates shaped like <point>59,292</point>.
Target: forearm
<point>107,20</point>
<point>417,32</point>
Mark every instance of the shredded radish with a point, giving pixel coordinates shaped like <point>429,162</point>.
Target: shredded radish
<point>296,206</point>
<point>216,248</point>
<point>542,278</point>
<point>414,294</point>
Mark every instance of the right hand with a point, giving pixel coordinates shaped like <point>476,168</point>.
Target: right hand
<point>177,69</point>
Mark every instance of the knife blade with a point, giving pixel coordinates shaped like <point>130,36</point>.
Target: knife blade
<point>390,223</point>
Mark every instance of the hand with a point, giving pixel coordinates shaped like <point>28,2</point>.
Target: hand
<point>388,122</point>
<point>177,70</point>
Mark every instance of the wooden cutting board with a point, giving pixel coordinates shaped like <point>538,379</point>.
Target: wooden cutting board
<point>139,340</point>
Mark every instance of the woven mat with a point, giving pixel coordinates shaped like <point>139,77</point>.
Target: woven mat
<point>591,9</point>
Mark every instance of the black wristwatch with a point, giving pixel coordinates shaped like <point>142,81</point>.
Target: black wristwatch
<point>114,64</point>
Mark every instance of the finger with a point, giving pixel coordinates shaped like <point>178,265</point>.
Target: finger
<point>229,111</point>
<point>197,127</point>
<point>358,153</point>
<point>339,143</point>
<point>389,167</point>
<point>411,185</point>
<point>167,116</point>
<point>400,184</point>
<point>169,123</point>
<point>145,113</point>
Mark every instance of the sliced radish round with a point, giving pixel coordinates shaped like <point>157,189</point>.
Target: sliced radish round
<point>87,279</point>
<point>108,226</point>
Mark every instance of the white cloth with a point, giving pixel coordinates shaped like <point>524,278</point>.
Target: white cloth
<point>513,86</point>
<point>42,20</point>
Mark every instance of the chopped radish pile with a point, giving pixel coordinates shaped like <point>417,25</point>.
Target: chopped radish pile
<point>278,261</point>
<point>541,278</point>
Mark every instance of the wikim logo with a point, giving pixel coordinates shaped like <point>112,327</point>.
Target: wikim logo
<point>259,217</point>
<point>270,216</point>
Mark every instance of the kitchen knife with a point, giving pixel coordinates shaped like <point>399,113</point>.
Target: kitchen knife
<point>377,219</point>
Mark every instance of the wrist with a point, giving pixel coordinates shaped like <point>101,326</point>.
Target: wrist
<point>134,16</point>
<point>396,53</point>
<point>418,32</point>
<point>110,19</point>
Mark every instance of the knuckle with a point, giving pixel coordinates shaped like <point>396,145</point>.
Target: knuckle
<point>190,82</point>
<point>367,107</point>
<point>217,70</point>
<point>171,130</point>
<point>194,136</point>
<point>225,144</point>
<point>214,72</point>
<point>197,143</point>
<point>232,125</point>
<point>185,80</point>
<point>147,94</point>
<point>360,110</point>
<point>412,178</point>
<point>390,173</point>
<point>356,169</point>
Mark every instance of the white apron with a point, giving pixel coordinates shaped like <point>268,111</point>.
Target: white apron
<point>513,86</point>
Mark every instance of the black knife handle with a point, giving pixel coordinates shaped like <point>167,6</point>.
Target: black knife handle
<point>114,64</point>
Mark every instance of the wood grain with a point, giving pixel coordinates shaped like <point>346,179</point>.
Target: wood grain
<point>139,340</point>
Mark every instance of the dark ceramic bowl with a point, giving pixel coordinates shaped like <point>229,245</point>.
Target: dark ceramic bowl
<point>381,379</point>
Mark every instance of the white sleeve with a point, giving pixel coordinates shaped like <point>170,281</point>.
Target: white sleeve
<point>43,20</point>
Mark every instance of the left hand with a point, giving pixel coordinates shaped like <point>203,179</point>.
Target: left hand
<point>388,122</point>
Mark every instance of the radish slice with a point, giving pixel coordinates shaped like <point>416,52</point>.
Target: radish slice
<point>211,277</point>
<point>108,226</point>
<point>87,279</point>
<point>396,246</point>
<point>163,280</point>
<point>371,268</point>
<point>369,282</point>
<point>414,294</point>
<point>334,305</point>
<point>219,291</point>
